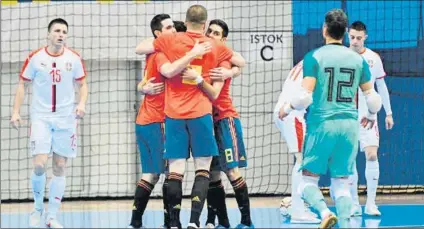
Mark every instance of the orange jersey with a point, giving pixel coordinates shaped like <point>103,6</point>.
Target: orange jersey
<point>223,105</point>
<point>184,100</point>
<point>152,106</point>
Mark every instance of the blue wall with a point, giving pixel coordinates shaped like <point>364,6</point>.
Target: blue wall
<point>393,29</point>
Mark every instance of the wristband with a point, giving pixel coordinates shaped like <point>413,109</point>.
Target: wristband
<point>199,79</point>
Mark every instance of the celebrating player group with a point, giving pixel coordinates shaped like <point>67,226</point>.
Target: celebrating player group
<point>338,119</point>
<point>186,86</point>
<point>187,111</point>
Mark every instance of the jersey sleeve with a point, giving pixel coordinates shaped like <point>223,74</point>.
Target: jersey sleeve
<point>28,70</point>
<point>79,69</point>
<point>379,69</point>
<point>224,53</point>
<point>366,73</point>
<point>310,65</point>
<point>226,64</point>
<point>164,42</point>
<point>160,60</point>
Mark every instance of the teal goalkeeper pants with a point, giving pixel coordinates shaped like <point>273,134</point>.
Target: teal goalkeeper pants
<point>332,145</point>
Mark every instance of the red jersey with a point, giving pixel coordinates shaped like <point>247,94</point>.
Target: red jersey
<point>184,100</point>
<point>223,105</point>
<point>152,106</point>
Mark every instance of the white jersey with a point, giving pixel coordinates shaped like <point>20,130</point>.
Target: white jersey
<point>377,72</point>
<point>53,78</point>
<point>292,84</point>
<point>293,126</point>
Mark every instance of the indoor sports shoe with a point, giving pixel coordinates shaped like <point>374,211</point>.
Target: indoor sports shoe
<point>245,226</point>
<point>35,219</point>
<point>304,218</point>
<point>192,226</point>
<point>209,225</point>
<point>372,210</point>
<point>222,227</point>
<point>53,223</point>
<point>329,221</point>
<point>356,210</point>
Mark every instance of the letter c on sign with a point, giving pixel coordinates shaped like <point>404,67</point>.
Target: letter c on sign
<point>263,50</point>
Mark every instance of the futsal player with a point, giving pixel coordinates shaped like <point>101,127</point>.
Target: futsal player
<point>229,137</point>
<point>53,70</point>
<point>329,85</point>
<point>293,130</point>
<point>179,26</point>
<point>150,121</point>
<point>150,125</point>
<point>369,138</point>
<point>188,113</point>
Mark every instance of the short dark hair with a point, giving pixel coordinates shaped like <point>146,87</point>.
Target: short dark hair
<point>336,22</point>
<point>221,24</point>
<point>57,21</point>
<point>358,26</point>
<point>156,23</point>
<point>197,14</point>
<point>180,26</point>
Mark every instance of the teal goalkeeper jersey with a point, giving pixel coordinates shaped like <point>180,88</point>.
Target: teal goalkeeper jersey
<point>338,71</point>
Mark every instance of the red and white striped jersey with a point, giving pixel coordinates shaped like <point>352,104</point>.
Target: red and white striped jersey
<point>53,78</point>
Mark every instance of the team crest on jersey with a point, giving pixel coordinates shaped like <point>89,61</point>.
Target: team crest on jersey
<point>370,63</point>
<point>68,66</point>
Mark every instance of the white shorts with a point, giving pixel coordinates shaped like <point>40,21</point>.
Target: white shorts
<point>369,137</point>
<point>58,135</point>
<point>293,129</point>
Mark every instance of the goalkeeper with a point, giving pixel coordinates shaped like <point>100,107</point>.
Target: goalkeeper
<point>332,75</point>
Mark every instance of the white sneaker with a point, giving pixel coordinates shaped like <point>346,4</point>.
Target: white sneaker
<point>35,219</point>
<point>372,209</point>
<point>209,225</point>
<point>303,217</point>
<point>356,210</point>
<point>53,223</point>
<point>192,225</point>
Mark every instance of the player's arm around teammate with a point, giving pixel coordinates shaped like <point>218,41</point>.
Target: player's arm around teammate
<point>228,135</point>
<point>146,47</point>
<point>53,69</point>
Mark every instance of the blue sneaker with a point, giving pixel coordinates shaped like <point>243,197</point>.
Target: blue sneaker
<point>245,226</point>
<point>222,227</point>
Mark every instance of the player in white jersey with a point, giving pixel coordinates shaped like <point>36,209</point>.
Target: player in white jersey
<point>369,138</point>
<point>293,130</point>
<point>53,71</point>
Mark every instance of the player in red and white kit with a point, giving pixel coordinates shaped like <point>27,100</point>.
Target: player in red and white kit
<point>369,138</point>
<point>293,130</point>
<point>53,71</point>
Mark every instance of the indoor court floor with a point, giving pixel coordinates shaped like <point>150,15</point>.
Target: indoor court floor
<point>407,212</point>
